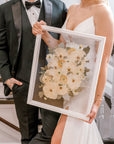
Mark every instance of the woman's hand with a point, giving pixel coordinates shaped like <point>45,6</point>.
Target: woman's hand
<point>94,111</point>
<point>37,28</point>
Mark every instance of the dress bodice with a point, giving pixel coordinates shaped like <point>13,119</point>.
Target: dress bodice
<point>86,26</point>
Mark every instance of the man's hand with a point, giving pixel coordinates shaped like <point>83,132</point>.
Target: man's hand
<point>10,82</point>
<point>37,28</point>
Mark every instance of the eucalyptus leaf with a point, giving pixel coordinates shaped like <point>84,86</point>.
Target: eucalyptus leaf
<point>86,49</point>
<point>79,89</point>
<point>86,70</point>
<point>87,61</point>
<point>71,93</point>
<point>79,64</point>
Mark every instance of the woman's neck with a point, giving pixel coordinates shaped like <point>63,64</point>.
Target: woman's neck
<point>86,3</point>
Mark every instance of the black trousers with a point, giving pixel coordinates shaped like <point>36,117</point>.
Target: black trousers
<point>28,118</point>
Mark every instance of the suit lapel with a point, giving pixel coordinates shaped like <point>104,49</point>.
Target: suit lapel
<point>16,10</point>
<point>48,11</point>
<point>42,15</point>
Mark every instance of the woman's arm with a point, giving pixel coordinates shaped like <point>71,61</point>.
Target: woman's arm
<point>103,27</point>
<point>46,36</point>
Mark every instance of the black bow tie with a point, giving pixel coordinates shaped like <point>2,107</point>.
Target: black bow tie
<point>30,4</point>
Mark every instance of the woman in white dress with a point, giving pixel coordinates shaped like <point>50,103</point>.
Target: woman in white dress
<point>94,17</point>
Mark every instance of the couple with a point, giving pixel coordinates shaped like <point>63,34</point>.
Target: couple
<point>93,17</point>
<point>16,53</point>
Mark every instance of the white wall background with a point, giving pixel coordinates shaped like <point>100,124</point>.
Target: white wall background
<point>69,2</point>
<point>111,2</point>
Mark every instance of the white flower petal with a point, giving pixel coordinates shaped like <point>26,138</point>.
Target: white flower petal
<point>50,90</point>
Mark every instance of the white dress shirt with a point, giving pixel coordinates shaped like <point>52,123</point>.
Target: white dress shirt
<point>33,13</point>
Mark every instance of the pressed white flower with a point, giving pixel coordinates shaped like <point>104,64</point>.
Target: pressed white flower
<point>79,69</point>
<point>53,63</point>
<point>76,56</point>
<point>70,50</point>
<point>50,57</point>
<point>68,67</point>
<point>54,74</point>
<point>64,73</point>
<point>62,90</point>
<point>72,45</point>
<point>61,63</point>
<point>60,53</point>
<point>75,92</point>
<point>46,78</point>
<point>74,82</point>
<point>41,94</point>
<point>50,90</point>
<point>80,52</point>
<point>41,78</point>
<point>63,79</point>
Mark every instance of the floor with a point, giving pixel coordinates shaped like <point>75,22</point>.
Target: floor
<point>8,135</point>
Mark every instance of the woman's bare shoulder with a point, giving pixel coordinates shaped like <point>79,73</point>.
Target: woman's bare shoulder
<point>104,21</point>
<point>103,11</point>
<point>72,8</point>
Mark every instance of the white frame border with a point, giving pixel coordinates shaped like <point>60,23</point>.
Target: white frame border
<point>95,78</point>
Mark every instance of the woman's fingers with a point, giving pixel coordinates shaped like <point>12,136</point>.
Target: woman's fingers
<point>92,116</point>
<point>91,119</point>
<point>84,120</point>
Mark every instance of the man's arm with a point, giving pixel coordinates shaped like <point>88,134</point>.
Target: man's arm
<point>5,68</point>
<point>4,60</point>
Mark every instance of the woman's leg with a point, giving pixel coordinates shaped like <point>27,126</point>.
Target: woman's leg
<point>58,133</point>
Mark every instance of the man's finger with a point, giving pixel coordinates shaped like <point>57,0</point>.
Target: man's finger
<point>37,31</point>
<point>34,32</point>
<point>37,26</point>
<point>18,82</point>
<point>43,22</point>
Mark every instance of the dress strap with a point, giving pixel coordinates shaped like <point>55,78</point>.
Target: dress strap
<point>64,25</point>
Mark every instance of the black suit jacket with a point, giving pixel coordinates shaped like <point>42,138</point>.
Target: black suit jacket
<point>52,11</point>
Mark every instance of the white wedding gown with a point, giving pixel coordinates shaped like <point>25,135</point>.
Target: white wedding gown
<point>77,131</point>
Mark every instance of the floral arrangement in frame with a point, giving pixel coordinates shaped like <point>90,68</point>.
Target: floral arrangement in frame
<point>64,77</point>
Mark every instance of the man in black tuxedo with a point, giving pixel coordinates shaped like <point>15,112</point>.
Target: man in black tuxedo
<point>16,54</point>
